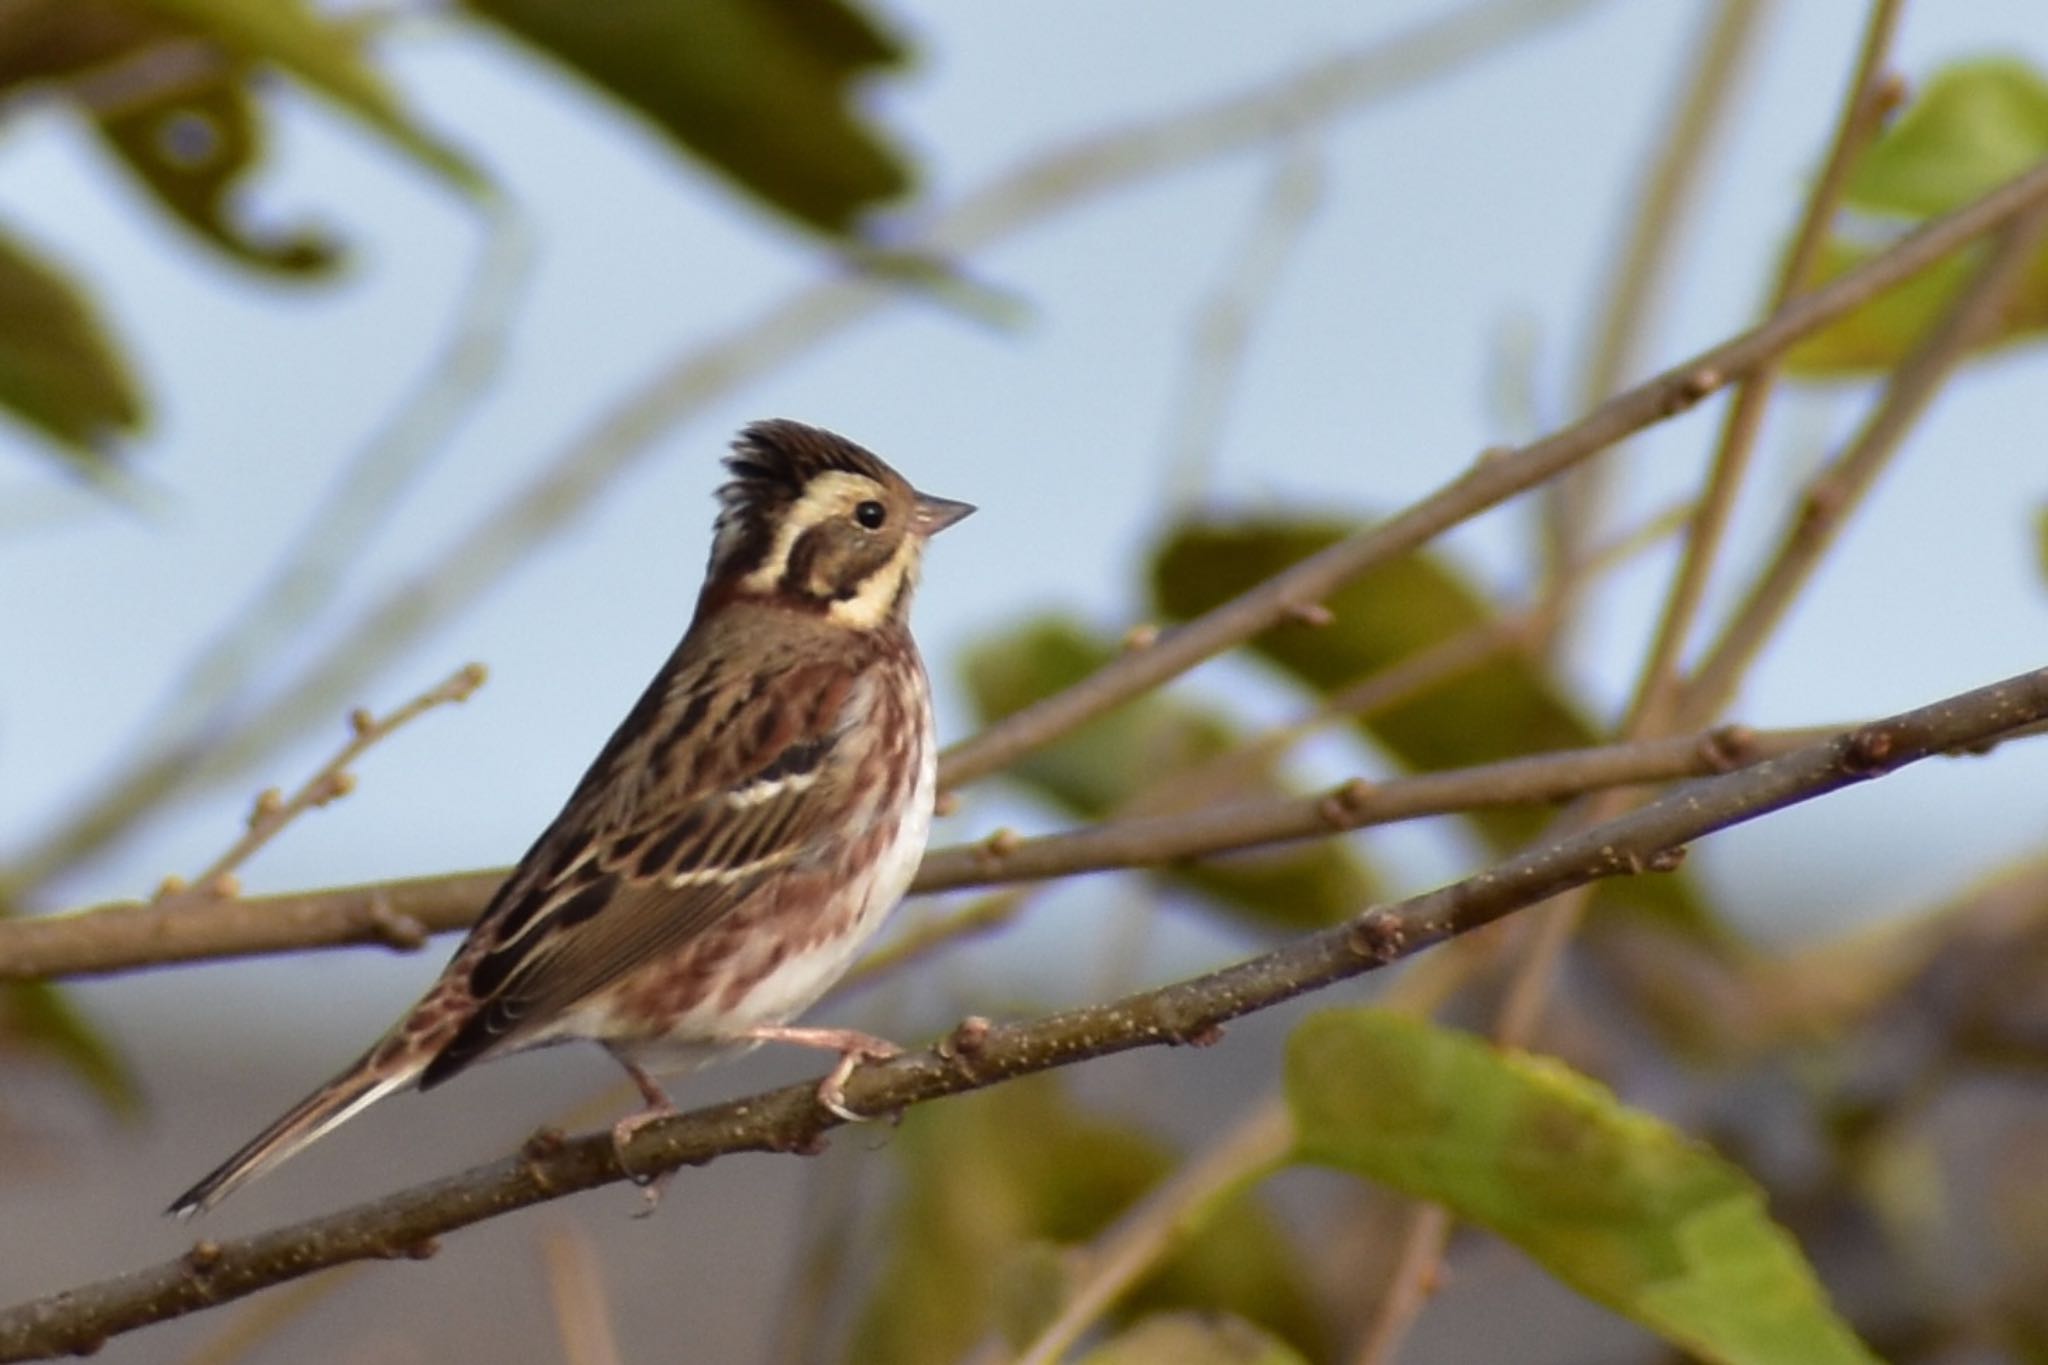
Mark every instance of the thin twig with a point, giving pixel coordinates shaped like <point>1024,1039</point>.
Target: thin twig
<point>273,811</point>
<point>630,432</point>
<point>1652,233</point>
<point>1223,323</point>
<point>408,1224</point>
<point>1863,111</point>
<point>583,1315</point>
<point>1163,1220</point>
<point>1841,486</point>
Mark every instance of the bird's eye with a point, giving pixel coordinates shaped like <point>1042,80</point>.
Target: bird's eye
<point>871,515</point>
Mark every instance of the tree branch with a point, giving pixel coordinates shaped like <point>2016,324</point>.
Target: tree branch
<point>978,1054</point>
<point>403,913</point>
<point>1497,476</point>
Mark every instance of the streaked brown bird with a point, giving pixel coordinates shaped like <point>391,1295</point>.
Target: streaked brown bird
<point>744,832</point>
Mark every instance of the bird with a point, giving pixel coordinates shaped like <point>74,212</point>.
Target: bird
<point>743,833</point>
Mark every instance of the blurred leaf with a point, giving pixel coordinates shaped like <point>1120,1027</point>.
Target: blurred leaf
<point>760,90</point>
<point>2041,541</point>
<point>39,1019</point>
<point>1132,754</point>
<point>1615,1203</point>
<point>1503,709</point>
<point>1972,127</point>
<point>1184,1339</point>
<point>1873,339</point>
<point>1968,130</point>
<point>995,1183</point>
<point>58,369</point>
<point>327,54</point>
<point>168,103</point>
<point>194,147</point>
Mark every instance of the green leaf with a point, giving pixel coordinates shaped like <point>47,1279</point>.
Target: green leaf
<point>194,148</point>
<point>37,1017</point>
<point>1185,1339</point>
<point>1502,709</point>
<point>59,371</point>
<point>328,55</point>
<point>997,1182</point>
<point>170,106</point>
<point>1973,127</point>
<point>2041,541</point>
<point>1127,761</point>
<point>762,91</point>
<point>1968,130</point>
<point>1614,1202</point>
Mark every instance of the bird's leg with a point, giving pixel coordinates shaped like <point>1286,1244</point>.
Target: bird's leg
<point>853,1047</point>
<point>659,1106</point>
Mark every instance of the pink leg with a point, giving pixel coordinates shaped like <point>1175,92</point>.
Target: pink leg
<point>659,1106</point>
<point>853,1047</point>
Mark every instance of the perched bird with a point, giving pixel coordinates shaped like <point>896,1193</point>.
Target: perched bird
<point>745,830</point>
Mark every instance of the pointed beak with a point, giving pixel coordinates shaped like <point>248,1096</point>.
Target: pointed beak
<point>934,515</point>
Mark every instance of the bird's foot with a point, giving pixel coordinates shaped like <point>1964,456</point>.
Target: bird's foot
<point>853,1047</point>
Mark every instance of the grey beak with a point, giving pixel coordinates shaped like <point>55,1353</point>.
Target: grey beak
<point>934,515</point>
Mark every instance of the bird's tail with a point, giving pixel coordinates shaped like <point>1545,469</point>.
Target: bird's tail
<point>311,1119</point>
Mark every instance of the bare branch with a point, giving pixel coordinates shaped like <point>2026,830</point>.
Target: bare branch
<point>1495,477</point>
<point>978,1054</point>
<point>402,913</point>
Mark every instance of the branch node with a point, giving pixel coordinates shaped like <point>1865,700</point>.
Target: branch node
<point>170,886</point>
<point>361,723</point>
<point>399,932</point>
<point>1692,387</point>
<point>1204,1035</point>
<point>1343,805</point>
<point>1666,859</point>
<point>269,804</point>
<point>1868,751</point>
<point>1310,614</point>
<point>1376,936</point>
<point>1000,844</point>
<point>425,1249</point>
<point>1144,635</point>
<point>224,886</point>
<point>966,1041</point>
<point>202,1258</point>
<point>1727,747</point>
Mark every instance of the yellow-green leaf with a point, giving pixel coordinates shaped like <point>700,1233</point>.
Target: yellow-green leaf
<point>327,54</point>
<point>1969,129</point>
<point>1150,756</point>
<point>34,1015</point>
<point>175,111</point>
<point>997,1183</point>
<point>1972,127</point>
<point>1189,1339</point>
<point>1504,708</point>
<point>1615,1203</point>
<point>762,91</point>
<point>59,370</point>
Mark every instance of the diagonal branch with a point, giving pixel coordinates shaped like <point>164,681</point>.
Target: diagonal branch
<point>1497,476</point>
<point>979,1054</point>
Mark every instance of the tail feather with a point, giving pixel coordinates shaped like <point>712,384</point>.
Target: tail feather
<point>311,1119</point>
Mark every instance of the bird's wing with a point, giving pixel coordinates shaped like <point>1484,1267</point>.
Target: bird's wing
<point>596,899</point>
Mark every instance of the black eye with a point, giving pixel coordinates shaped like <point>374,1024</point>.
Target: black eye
<point>871,515</point>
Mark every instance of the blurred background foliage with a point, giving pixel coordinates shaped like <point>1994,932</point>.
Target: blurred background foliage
<point>1828,1080</point>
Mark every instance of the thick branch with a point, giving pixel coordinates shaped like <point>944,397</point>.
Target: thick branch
<point>403,913</point>
<point>978,1054</point>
